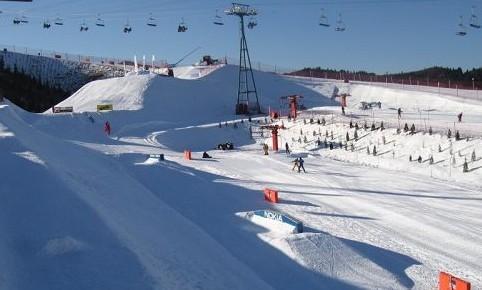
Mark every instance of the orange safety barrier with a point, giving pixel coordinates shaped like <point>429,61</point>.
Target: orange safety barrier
<point>187,154</point>
<point>449,282</point>
<point>271,195</point>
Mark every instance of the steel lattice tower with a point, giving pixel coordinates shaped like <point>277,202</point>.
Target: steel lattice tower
<point>246,84</point>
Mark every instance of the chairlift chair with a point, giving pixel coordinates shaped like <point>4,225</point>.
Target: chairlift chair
<point>46,24</point>
<point>323,19</point>
<point>16,20</point>
<point>151,21</point>
<point>252,23</point>
<point>24,19</point>
<point>127,28</point>
<point>84,27</point>
<point>474,20</point>
<point>182,26</point>
<point>59,21</point>
<point>340,25</point>
<point>462,30</point>
<point>99,21</point>
<point>218,20</point>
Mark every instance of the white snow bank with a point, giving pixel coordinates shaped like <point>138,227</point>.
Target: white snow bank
<point>62,246</point>
<point>208,99</point>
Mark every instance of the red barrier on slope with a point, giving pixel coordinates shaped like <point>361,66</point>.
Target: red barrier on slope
<point>271,195</point>
<point>187,154</point>
<point>449,282</point>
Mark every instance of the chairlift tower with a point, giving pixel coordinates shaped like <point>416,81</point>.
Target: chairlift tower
<point>246,83</point>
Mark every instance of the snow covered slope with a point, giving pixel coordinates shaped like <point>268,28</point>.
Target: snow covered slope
<point>79,209</point>
<point>424,108</point>
<point>147,244</point>
<point>210,98</point>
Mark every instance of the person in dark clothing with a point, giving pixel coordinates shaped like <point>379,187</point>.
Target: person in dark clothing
<point>107,128</point>
<point>265,149</point>
<point>459,116</point>
<point>301,165</point>
<point>206,155</point>
<point>287,148</point>
<point>399,113</point>
<point>343,110</point>
<point>295,164</point>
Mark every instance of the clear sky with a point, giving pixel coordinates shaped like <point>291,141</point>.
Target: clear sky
<point>381,36</point>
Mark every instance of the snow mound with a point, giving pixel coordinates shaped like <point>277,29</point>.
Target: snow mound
<point>31,157</point>
<point>211,98</point>
<point>195,72</point>
<point>124,93</point>
<point>350,261</point>
<point>62,246</point>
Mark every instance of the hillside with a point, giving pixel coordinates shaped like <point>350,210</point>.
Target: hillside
<point>81,209</point>
<point>28,93</point>
<point>433,76</point>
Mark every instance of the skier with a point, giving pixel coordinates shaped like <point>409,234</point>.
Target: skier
<point>399,113</point>
<point>107,128</point>
<point>343,111</point>
<point>287,148</point>
<point>295,165</point>
<point>265,148</point>
<point>459,116</point>
<point>301,165</point>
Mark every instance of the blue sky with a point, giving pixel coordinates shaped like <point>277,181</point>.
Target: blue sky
<point>381,36</point>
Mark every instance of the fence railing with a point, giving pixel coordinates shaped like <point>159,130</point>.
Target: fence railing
<point>82,58</point>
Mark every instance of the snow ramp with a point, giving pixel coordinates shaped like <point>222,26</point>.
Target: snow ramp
<point>208,99</point>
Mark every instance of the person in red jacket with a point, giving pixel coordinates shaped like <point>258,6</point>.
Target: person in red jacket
<point>107,127</point>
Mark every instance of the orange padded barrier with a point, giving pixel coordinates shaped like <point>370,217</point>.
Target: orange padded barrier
<point>449,282</point>
<point>271,195</point>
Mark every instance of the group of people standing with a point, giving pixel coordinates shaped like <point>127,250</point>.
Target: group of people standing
<point>298,162</point>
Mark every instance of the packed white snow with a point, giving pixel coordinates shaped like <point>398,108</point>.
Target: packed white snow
<point>82,210</point>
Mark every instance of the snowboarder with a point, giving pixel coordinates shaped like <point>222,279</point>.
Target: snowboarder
<point>287,148</point>
<point>265,149</point>
<point>107,128</point>
<point>301,165</point>
<point>459,116</point>
<point>206,155</point>
<point>399,113</point>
